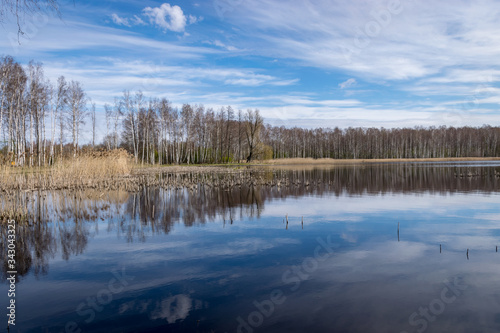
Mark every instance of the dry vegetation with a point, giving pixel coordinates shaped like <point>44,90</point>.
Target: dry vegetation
<point>95,165</point>
<point>89,170</point>
<point>115,169</point>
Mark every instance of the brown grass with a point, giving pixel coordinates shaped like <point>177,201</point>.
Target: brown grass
<point>83,171</point>
<point>95,165</point>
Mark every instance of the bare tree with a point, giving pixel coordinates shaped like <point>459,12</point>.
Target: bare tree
<point>92,116</point>
<point>61,104</point>
<point>230,115</point>
<point>254,124</point>
<point>20,8</point>
<point>108,110</point>
<point>187,118</point>
<point>53,101</point>
<point>240,133</point>
<point>117,114</point>
<point>130,123</point>
<point>4,76</point>
<point>77,104</point>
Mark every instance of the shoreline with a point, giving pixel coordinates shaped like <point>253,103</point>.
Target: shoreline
<point>298,162</point>
<point>17,190</point>
<point>138,176</point>
<point>377,160</point>
<point>331,161</point>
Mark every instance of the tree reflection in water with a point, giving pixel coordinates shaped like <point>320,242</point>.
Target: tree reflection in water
<point>64,221</point>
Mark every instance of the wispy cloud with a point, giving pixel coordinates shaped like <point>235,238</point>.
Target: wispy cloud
<point>194,19</point>
<point>348,83</point>
<point>136,20</point>
<point>413,43</point>
<point>107,77</point>
<point>80,37</point>
<point>120,20</point>
<point>220,44</point>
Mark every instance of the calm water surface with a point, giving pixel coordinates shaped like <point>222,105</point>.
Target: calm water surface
<point>215,260</point>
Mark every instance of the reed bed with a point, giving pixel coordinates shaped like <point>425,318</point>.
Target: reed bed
<point>95,165</point>
<point>92,170</point>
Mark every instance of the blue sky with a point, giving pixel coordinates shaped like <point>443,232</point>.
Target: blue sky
<point>389,63</point>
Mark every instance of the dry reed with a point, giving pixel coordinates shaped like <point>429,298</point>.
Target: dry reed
<point>95,165</point>
<point>87,170</point>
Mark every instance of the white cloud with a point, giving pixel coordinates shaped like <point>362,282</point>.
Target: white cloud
<point>167,17</point>
<point>416,42</point>
<point>347,84</point>
<point>222,45</point>
<point>120,20</point>
<point>194,19</point>
<point>136,20</point>
<point>128,22</point>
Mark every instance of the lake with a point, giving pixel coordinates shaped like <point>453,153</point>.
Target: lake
<point>399,247</point>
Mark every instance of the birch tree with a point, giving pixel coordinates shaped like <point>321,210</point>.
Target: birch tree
<point>130,123</point>
<point>93,119</point>
<point>77,104</point>
<point>108,112</point>
<point>60,111</point>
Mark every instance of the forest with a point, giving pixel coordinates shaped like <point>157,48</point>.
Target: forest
<point>41,122</point>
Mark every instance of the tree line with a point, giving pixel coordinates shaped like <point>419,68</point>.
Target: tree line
<point>375,143</point>
<point>36,115</point>
<point>42,122</point>
<point>155,131</point>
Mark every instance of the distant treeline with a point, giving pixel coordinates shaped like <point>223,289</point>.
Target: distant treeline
<point>369,143</point>
<point>41,122</point>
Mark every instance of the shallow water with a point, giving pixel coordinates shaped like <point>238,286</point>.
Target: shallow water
<point>382,248</point>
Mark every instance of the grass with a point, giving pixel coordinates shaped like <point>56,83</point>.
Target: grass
<point>84,170</point>
<point>95,165</point>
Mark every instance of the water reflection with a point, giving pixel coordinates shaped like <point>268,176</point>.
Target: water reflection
<point>59,217</point>
<point>397,232</point>
<point>173,308</point>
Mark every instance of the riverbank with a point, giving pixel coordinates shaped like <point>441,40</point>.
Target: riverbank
<point>116,172</point>
<point>295,161</point>
<point>331,161</point>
